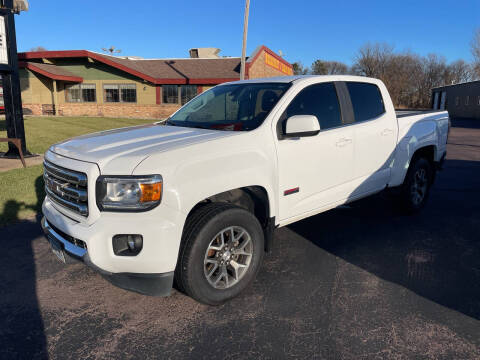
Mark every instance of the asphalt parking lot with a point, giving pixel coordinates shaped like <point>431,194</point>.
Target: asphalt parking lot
<point>359,282</point>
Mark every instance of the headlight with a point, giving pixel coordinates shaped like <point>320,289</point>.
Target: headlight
<point>129,193</point>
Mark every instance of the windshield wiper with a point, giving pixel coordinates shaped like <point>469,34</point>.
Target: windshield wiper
<point>170,123</point>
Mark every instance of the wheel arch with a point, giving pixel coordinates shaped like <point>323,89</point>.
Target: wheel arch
<point>254,198</point>
<point>428,151</point>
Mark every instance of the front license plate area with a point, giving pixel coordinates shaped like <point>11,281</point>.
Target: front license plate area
<point>57,249</point>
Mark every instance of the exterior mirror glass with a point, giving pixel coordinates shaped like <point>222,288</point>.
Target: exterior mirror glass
<point>302,125</point>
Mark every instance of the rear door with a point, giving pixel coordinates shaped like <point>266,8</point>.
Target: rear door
<point>375,134</point>
<point>314,171</point>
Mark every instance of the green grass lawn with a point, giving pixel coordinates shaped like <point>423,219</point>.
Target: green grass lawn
<point>21,190</point>
<point>41,132</point>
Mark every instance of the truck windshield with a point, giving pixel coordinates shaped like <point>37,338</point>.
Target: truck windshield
<point>236,107</point>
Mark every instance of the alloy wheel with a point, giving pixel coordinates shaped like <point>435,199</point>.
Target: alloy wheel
<point>228,257</point>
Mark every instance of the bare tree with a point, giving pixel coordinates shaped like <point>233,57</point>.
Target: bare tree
<point>319,67</point>
<point>401,76</point>
<point>298,68</point>
<point>408,76</point>
<point>434,73</point>
<point>372,60</point>
<point>458,72</point>
<point>38,48</point>
<point>336,68</point>
<point>475,48</point>
<point>379,61</point>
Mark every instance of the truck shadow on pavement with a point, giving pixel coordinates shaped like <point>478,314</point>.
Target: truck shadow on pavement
<point>21,324</point>
<point>434,253</point>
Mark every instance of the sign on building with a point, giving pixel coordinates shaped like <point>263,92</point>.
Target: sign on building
<point>3,42</point>
<point>277,64</point>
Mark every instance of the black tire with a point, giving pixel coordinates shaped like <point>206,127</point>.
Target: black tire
<point>200,229</point>
<point>416,186</point>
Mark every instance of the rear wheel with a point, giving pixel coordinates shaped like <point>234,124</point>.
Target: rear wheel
<point>416,187</point>
<point>222,249</point>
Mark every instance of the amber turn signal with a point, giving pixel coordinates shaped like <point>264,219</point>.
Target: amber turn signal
<point>151,192</point>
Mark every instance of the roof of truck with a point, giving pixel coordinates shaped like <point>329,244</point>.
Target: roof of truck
<point>289,79</point>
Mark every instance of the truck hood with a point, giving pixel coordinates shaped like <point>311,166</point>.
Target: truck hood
<point>119,151</point>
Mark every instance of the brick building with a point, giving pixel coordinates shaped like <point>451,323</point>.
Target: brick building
<point>81,82</point>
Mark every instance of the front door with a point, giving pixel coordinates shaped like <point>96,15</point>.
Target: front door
<point>315,171</point>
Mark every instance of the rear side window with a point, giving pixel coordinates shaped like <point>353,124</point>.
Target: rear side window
<point>319,100</point>
<point>366,99</point>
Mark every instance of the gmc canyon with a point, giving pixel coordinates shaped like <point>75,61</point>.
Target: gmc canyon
<point>196,198</point>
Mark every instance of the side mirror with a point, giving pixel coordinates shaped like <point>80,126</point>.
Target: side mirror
<point>302,125</point>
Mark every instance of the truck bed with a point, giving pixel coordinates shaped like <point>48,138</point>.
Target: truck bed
<point>407,112</point>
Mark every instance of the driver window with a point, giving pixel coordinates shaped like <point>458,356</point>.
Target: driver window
<point>319,100</point>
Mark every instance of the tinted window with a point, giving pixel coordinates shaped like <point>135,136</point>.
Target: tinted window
<point>319,100</point>
<point>366,99</point>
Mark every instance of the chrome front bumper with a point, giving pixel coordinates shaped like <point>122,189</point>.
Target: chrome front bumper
<point>68,247</point>
<point>147,284</point>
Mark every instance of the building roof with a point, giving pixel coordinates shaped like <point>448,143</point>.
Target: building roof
<point>459,84</point>
<point>51,71</point>
<point>163,71</point>
<point>197,68</point>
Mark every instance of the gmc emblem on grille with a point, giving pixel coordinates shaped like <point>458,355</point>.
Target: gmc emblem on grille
<point>56,187</point>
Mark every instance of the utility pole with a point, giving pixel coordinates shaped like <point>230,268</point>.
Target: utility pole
<point>10,77</point>
<point>244,47</point>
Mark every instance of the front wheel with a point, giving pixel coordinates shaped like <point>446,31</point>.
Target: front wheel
<point>222,250</point>
<point>416,187</point>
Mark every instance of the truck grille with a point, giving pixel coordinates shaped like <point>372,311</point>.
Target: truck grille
<point>67,188</point>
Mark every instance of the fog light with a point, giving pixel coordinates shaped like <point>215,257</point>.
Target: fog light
<point>127,244</point>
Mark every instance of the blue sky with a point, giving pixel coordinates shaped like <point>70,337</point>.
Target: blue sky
<point>304,30</point>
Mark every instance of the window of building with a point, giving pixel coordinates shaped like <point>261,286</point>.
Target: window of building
<point>457,101</point>
<point>170,94</point>
<point>188,92</point>
<point>111,93</point>
<point>366,100</point>
<point>467,100</point>
<point>319,100</point>
<point>125,93</point>
<point>443,100</point>
<point>436,100</point>
<point>81,93</point>
<point>178,94</point>
<point>128,93</point>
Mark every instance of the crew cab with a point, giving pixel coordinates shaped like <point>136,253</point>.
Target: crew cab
<point>196,198</point>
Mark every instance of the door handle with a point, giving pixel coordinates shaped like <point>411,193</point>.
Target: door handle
<point>386,132</point>
<point>343,142</point>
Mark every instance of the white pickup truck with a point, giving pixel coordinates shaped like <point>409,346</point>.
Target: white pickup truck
<point>197,198</point>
